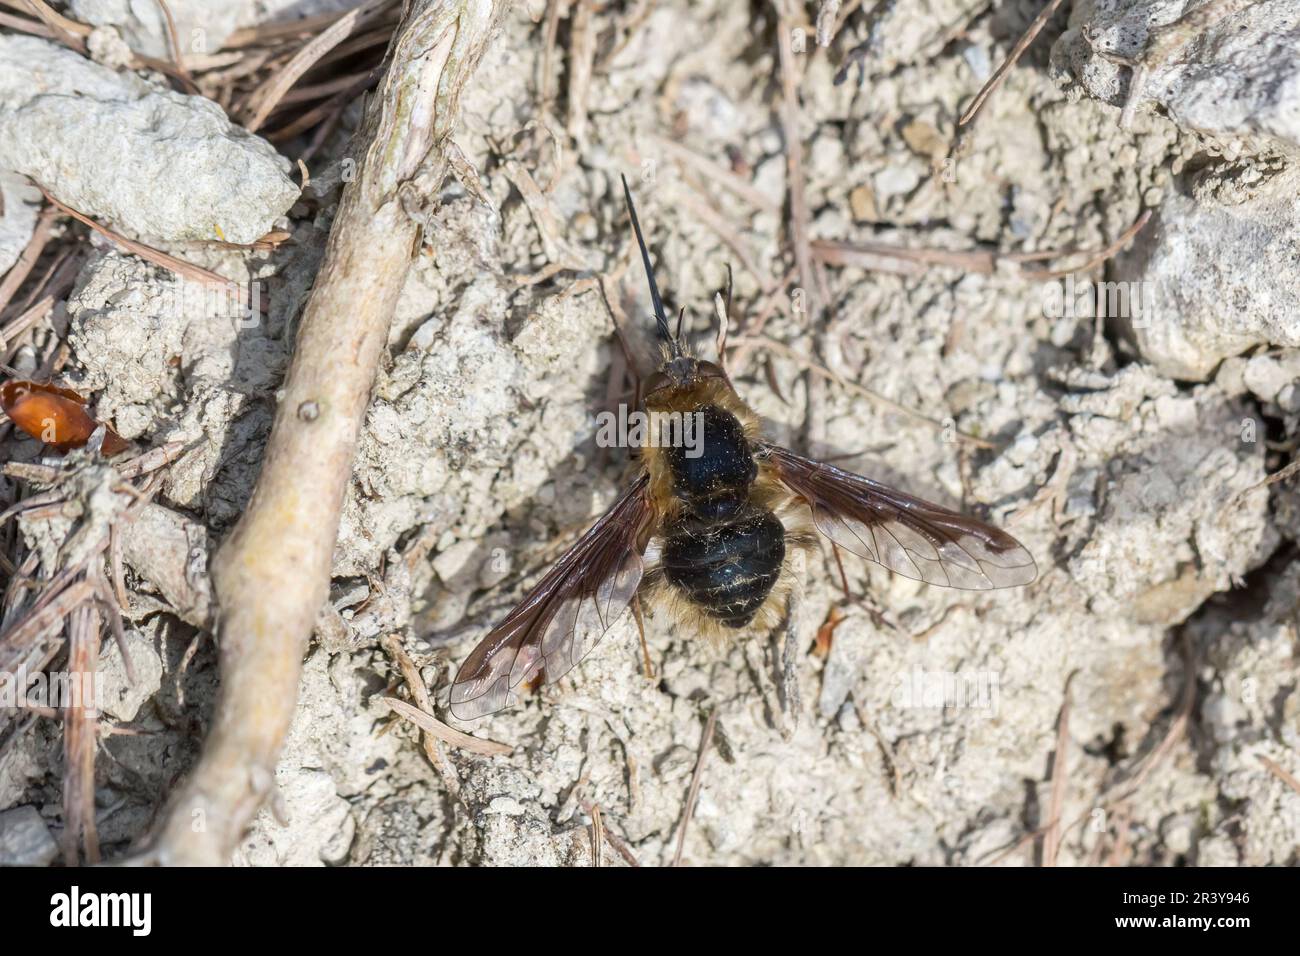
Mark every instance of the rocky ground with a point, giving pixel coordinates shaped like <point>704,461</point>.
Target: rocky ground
<point>1141,694</point>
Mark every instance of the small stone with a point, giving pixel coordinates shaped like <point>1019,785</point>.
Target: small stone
<point>977,58</point>
<point>924,140</point>
<point>201,25</point>
<point>1266,377</point>
<point>122,698</point>
<point>585,227</point>
<point>107,48</point>
<point>862,202</point>
<point>25,839</point>
<point>456,565</point>
<point>896,180</point>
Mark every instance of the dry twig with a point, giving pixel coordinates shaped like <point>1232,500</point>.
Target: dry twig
<point>611,837</point>
<point>582,57</point>
<point>1001,72</point>
<point>1276,770</point>
<point>903,260</point>
<point>1052,838</point>
<point>271,577</point>
<point>264,100</point>
<point>717,174</point>
<point>18,273</point>
<point>23,25</point>
<point>80,729</point>
<point>799,227</point>
<point>764,342</point>
<point>431,725</point>
<point>597,835</point>
<point>182,268</point>
<point>694,793</point>
<point>175,42</point>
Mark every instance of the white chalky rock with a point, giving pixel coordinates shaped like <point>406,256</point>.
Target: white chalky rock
<point>157,163</point>
<point>18,205</point>
<point>1238,81</point>
<point>201,25</point>
<point>25,839</point>
<point>1213,281</point>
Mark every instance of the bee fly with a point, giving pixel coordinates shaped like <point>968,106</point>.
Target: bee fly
<point>716,526</point>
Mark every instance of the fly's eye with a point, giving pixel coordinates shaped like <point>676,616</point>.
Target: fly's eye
<point>655,382</point>
<point>709,370</point>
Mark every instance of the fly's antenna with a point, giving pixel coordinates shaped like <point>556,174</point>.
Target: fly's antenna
<point>661,320</point>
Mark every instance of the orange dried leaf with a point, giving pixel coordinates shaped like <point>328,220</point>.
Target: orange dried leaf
<point>54,415</point>
<point>826,633</point>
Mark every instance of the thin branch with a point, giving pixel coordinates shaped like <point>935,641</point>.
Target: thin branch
<point>597,835</point>
<point>281,30</point>
<point>717,174</point>
<point>21,269</point>
<point>264,100</point>
<point>902,260</point>
<point>23,634</point>
<point>73,35</point>
<point>80,730</point>
<point>271,576</point>
<point>614,839</point>
<point>69,31</point>
<point>1282,474</point>
<point>550,31</point>
<point>431,725</point>
<point>159,258</point>
<point>764,342</point>
<point>1001,72</point>
<point>1052,838</point>
<point>799,227</point>
<point>175,42</point>
<point>1280,773</point>
<point>1097,258</point>
<point>582,57</point>
<point>25,320</point>
<point>694,793</point>
<point>23,25</point>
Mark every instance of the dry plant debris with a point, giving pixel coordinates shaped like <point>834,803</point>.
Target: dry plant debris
<point>347,405</point>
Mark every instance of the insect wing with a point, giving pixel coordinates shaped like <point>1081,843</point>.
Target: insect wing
<point>905,534</point>
<point>564,615</point>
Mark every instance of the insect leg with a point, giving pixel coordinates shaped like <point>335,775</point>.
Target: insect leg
<point>839,563</point>
<point>867,604</point>
<point>640,629</point>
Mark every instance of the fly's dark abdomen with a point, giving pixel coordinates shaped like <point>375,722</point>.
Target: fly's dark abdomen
<point>726,568</point>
